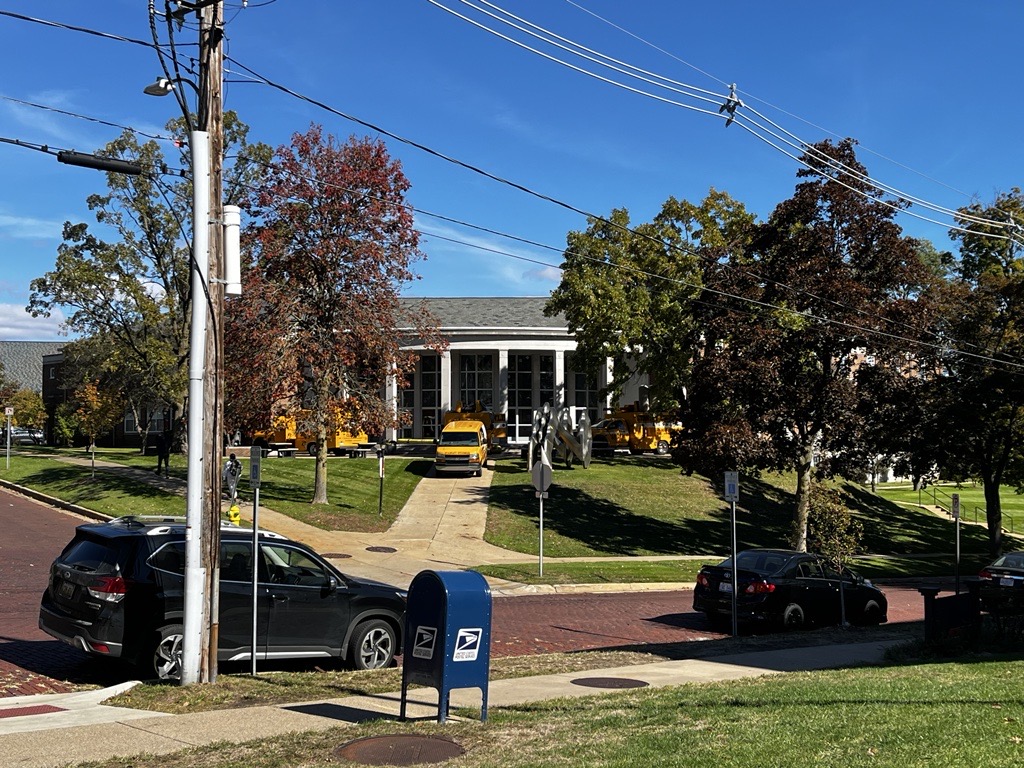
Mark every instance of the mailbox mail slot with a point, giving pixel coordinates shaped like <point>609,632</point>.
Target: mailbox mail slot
<point>448,635</point>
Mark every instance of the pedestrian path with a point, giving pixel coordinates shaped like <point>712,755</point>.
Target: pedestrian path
<point>69,733</point>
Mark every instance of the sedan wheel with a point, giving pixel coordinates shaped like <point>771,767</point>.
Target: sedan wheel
<point>166,662</point>
<point>793,617</point>
<point>372,645</point>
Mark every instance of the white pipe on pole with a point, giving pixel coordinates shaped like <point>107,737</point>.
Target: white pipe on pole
<point>195,576</point>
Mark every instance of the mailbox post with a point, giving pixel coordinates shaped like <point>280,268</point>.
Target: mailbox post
<point>447,636</point>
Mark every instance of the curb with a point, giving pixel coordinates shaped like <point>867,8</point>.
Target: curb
<point>53,501</point>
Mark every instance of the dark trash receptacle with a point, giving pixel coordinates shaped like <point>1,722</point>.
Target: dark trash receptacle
<point>447,636</point>
<point>951,616</point>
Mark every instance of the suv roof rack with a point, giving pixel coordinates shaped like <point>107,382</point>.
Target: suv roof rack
<point>158,525</point>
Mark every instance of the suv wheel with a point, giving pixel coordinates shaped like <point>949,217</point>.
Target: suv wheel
<point>166,660</point>
<point>372,645</point>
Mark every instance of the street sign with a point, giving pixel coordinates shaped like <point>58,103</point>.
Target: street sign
<point>8,411</point>
<point>732,486</point>
<point>255,455</point>
<point>541,473</point>
<point>956,506</point>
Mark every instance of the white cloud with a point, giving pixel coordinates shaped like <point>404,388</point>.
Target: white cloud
<point>500,267</point>
<point>18,325</point>
<point>28,228</point>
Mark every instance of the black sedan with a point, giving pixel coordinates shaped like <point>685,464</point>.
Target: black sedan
<point>1002,584</point>
<point>788,590</point>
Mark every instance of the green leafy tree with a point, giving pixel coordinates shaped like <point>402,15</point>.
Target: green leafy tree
<point>65,424</point>
<point>627,291</point>
<point>983,325</point>
<point>124,283</point>
<point>832,530</point>
<point>785,323</point>
<point>29,410</point>
<point>96,411</point>
<point>332,244</point>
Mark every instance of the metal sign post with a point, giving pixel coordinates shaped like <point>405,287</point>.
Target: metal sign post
<point>956,516</point>
<point>541,474</point>
<point>8,412</point>
<point>254,483</point>
<point>732,495</point>
<point>380,471</point>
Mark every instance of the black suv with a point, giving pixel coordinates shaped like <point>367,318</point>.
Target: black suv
<point>117,590</point>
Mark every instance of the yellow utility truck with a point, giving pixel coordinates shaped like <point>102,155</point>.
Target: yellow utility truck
<point>284,435</point>
<point>494,423</point>
<point>632,429</point>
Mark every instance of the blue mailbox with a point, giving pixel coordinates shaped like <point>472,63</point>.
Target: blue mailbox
<point>447,635</point>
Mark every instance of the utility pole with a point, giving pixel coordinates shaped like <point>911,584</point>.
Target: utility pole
<point>211,114</point>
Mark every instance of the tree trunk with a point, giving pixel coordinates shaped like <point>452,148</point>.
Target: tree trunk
<point>320,480</point>
<point>993,516</point>
<point>798,537</point>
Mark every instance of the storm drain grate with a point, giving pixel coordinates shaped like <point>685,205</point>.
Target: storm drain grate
<point>336,555</point>
<point>609,682</point>
<point>381,549</point>
<point>39,709</point>
<point>399,750</point>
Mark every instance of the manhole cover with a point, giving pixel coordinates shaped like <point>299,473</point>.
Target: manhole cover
<point>381,549</point>
<point>609,682</point>
<point>336,555</point>
<point>399,750</point>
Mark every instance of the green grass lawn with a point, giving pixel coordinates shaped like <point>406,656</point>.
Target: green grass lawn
<point>972,501</point>
<point>286,486</point>
<point>645,506</point>
<point>963,713</point>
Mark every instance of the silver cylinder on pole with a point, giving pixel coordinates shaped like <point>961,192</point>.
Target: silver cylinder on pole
<point>195,577</point>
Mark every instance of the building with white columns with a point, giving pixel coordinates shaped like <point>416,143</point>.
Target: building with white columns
<point>505,353</point>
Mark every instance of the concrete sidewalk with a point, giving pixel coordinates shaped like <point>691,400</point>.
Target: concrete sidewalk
<point>76,728</point>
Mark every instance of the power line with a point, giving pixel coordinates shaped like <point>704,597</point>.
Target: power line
<point>87,118</point>
<point>676,86</point>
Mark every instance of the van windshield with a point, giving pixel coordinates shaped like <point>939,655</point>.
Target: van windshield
<point>459,438</point>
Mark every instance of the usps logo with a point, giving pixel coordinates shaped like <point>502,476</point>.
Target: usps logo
<point>467,644</point>
<point>423,642</point>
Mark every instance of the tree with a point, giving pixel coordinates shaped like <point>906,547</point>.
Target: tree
<point>331,245</point>
<point>983,328</point>
<point>786,323</point>
<point>129,296</point>
<point>29,410</point>
<point>627,292</point>
<point>96,411</point>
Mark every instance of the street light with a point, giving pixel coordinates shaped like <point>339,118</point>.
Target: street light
<point>195,574</point>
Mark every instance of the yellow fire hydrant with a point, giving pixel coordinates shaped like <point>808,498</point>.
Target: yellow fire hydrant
<point>234,515</point>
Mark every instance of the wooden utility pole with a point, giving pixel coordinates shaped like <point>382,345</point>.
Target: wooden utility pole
<point>211,113</point>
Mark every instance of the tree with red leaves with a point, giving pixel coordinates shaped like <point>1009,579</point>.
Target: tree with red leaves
<point>320,324</point>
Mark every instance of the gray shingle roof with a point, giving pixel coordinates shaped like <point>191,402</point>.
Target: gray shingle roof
<point>490,312</point>
<point>22,361</point>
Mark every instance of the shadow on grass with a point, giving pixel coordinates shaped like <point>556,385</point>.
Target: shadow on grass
<point>77,485</point>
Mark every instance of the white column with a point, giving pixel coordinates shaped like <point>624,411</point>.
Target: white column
<point>391,397</point>
<point>559,379</point>
<point>446,381</point>
<point>502,405</point>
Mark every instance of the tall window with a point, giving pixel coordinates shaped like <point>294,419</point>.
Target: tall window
<point>476,380</point>
<point>547,379</point>
<point>430,395</point>
<point>584,395</point>
<point>408,405</point>
<point>520,397</point>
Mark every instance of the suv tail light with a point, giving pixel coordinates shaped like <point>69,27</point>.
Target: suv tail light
<point>761,587</point>
<point>111,589</point>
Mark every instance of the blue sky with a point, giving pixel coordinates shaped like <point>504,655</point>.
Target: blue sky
<point>929,89</point>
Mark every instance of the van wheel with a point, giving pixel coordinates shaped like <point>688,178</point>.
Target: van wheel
<point>662,448</point>
<point>165,661</point>
<point>312,448</point>
<point>372,645</point>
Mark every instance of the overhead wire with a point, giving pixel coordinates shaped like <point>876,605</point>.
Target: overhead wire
<point>677,87</point>
<point>523,188</point>
<point>754,97</point>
